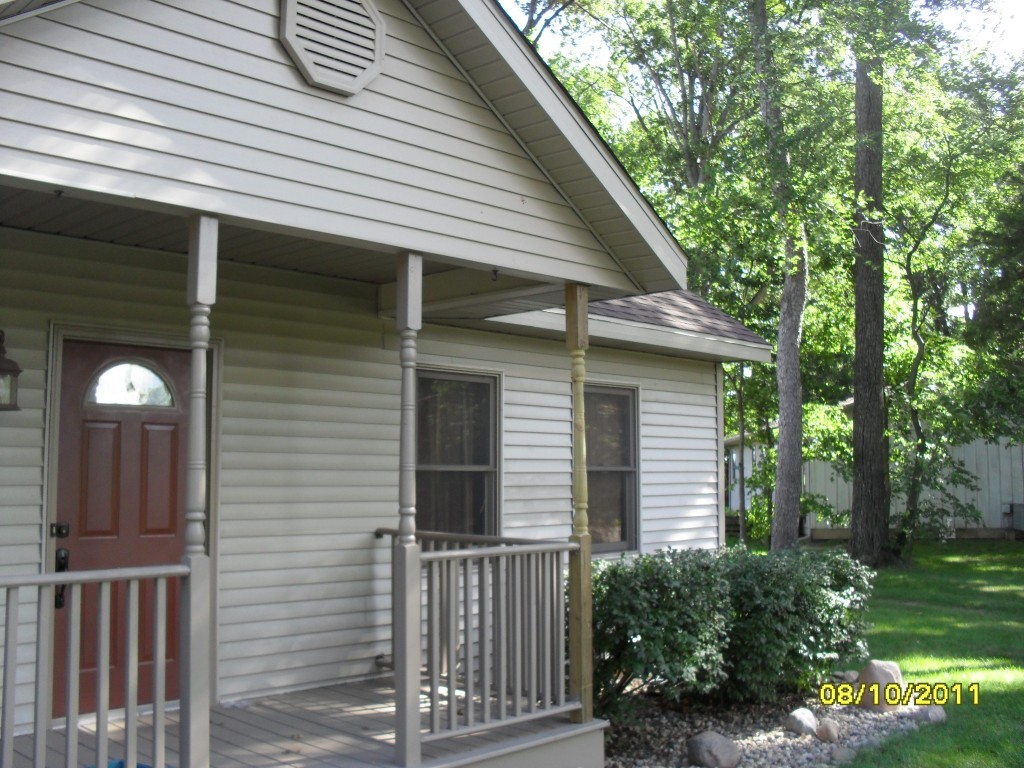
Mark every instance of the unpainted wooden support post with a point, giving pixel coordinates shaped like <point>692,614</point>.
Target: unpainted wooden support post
<point>195,607</point>
<point>581,652</point>
<point>406,552</point>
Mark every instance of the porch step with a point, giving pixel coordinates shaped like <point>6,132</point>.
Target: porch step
<point>567,746</point>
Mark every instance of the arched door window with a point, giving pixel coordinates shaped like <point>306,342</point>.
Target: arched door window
<point>130,383</point>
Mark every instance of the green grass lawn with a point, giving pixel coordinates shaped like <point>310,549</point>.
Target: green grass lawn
<point>956,616</point>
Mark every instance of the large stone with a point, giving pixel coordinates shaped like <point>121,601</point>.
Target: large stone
<point>875,676</point>
<point>930,714</point>
<point>802,721</point>
<point>828,730</point>
<point>842,755</point>
<point>712,750</point>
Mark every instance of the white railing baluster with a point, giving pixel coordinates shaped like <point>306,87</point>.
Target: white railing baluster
<point>159,673</point>
<point>495,630</point>
<point>10,678</point>
<point>434,642</point>
<point>44,686</point>
<point>452,607</point>
<point>467,634</point>
<point>74,668</point>
<point>501,653</point>
<point>545,601</point>
<point>42,672</point>
<point>103,675</point>
<point>131,674</point>
<point>486,606</point>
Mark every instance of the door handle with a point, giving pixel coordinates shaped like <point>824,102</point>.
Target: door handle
<point>63,562</point>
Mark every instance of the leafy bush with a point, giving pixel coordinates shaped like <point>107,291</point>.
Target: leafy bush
<point>795,614</point>
<point>660,622</point>
<point>742,626</point>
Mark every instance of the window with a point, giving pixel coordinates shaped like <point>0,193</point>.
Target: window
<point>130,384</point>
<point>456,457</point>
<point>611,467</point>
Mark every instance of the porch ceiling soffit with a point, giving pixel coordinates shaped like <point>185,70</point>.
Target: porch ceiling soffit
<point>484,43</point>
<point>11,10</point>
<point>450,292</point>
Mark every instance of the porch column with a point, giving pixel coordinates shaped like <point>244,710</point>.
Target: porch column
<point>581,653</point>
<point>195,599</point>
<point>406,554</point>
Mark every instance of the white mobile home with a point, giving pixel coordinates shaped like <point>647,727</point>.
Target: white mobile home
<point>290,285</point>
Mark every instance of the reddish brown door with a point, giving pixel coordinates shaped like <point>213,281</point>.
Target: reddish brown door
<point>121,492</point>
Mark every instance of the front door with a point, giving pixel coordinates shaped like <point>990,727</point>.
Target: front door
<point>120,498</point>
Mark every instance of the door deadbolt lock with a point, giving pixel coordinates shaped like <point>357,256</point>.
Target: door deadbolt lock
<point>60,530</point>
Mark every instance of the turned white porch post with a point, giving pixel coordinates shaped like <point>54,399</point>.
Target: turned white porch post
<point>195,598</point>
<point>406,554</point>
<point>581,653</point>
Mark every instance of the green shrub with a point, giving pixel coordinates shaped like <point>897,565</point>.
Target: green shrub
<point>660,623</point>
<point>795,614</point>
<point>742,626</point>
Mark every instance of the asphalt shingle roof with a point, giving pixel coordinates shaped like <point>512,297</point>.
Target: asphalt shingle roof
<point>681,310</point>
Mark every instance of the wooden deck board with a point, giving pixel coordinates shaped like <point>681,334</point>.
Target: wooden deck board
<point>348,725</point>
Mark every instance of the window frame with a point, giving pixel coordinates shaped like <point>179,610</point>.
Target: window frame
<point>631,525</point>
<point>492,521</point>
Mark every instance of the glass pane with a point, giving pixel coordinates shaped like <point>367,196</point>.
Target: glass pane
<point>611,504</point>
<point>453,502</point>
<point>609,428</point>
<point>454,422</point>
<point>130,384</point>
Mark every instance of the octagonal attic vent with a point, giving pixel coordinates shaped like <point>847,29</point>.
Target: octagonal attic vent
<point>337,44</point>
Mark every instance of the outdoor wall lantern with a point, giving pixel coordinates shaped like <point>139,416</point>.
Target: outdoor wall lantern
<point>9,371</point>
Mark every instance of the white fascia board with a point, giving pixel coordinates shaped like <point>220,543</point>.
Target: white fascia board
<point>570,120</point>
<point>644,337</point>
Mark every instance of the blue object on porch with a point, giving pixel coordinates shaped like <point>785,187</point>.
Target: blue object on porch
<point>121,764</point>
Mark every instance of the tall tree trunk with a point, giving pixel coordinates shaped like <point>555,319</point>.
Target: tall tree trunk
<point>869,524</point>
<point>789,459</point>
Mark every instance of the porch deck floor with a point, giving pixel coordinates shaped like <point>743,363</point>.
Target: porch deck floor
<point>349,725</point>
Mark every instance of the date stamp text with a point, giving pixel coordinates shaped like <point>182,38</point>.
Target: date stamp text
<point>922,694</point>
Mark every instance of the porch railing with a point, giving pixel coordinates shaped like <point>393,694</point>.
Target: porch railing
<point>47,586</point>
<point>493,631</point>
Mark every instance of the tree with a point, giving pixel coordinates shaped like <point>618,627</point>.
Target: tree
<point>869,524</point>
<point>789,457</point>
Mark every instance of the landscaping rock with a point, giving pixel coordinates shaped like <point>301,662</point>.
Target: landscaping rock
<point>712,750</point>
<point>828,730</point>
<point>842,755</point>
<point>802,721</point>
<point>880,673</point>
<point>930,714</point>
<point>849,676</point>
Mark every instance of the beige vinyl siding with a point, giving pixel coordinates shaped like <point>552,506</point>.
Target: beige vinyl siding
<point>678,445</point>
<point>307,469</point>
<point>21,480</point>
<point>93,95</point>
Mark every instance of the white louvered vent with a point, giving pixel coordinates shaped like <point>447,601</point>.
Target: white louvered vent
<point>337,44</point>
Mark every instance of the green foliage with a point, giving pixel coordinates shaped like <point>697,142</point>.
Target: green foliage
<point>795,614</point>
<point>736,624</point>
<point>660,622</point>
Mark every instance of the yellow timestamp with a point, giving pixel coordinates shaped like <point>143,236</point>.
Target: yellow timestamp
<point>922,694</point>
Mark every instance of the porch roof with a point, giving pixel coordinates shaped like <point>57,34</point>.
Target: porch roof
<point>676,323</point>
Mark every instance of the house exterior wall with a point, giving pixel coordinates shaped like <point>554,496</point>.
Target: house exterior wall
<point>195,105</point>
<point>307,420</point>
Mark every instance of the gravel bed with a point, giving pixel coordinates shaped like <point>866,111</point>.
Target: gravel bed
<point>657,736</point>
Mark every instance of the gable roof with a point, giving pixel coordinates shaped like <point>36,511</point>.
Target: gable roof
<point>512,80</point>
